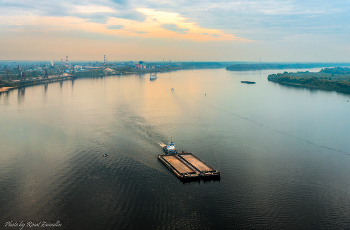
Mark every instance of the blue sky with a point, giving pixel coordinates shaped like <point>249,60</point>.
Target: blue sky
<point>206,30</point>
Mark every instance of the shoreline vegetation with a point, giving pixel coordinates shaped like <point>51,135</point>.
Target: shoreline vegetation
<point>331,79</point>
<point>264,66</point>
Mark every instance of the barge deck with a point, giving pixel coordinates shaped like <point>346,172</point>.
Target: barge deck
<point>187,166</point>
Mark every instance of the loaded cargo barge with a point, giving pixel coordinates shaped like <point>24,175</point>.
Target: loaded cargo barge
<point>248,82</point>
<point>187,166</point>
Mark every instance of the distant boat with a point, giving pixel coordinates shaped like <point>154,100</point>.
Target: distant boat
<point>153,77</point>
<point>248,82</point>
<point>105,155</point>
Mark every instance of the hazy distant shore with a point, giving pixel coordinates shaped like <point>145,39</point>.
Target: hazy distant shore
<point>332,79</point>
<point>263,66</point>
<point>14,81</point>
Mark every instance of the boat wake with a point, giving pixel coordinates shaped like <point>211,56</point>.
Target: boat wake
<point>276,130</point>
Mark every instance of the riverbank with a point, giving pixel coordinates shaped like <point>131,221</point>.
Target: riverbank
<point>331,79</point>
<point>5,89</point>
<point>34,81</point>
<point>103,72</point>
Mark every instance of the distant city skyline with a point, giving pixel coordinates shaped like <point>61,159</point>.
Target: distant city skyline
<point>207,30</point>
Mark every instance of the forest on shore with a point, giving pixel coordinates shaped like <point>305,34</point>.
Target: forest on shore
<point>262,66</point>
<point>337,79</point>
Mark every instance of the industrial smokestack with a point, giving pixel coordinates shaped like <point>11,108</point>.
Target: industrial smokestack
<point>66,61</point>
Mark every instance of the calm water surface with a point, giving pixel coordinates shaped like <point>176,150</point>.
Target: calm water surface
<point>284,153</point>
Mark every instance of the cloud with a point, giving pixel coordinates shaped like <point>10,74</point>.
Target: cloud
<point>116,27</point>
<point>252,19</point>
<point>121,2</point>
<point>263,19</point>
<point>173,27</point>
<point>87,9</point>
<point>157,24</point>
<point>140,32</point>
<point>94,9</point>
<point>256,21</point>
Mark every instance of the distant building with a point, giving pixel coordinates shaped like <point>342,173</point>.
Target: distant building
<point>108,70</point>
<point>76,67</point>
<point>141,65</point>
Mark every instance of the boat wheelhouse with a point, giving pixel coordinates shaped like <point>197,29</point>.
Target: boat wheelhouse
<point>170,148</point>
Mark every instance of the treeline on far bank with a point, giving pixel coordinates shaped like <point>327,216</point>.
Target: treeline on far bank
<point>337,79</point>
<point>262,66</point>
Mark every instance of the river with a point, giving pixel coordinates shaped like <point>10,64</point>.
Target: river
<point>283,153</point>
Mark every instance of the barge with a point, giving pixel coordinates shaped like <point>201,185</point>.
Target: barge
<point>187,166</point>
<point>248,82</point>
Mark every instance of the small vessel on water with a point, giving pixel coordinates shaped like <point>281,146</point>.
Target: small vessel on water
<point>153,77</point>
<point>248,82</point>
<point>105,155</point>
<point>170,148</point>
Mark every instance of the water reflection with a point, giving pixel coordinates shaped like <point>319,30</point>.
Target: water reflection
<point>4,98</point>
<point>45,87</point>
<point>269,178</point>
<point>304,89</point>
<point>21,92</point>
<point>201,180</point>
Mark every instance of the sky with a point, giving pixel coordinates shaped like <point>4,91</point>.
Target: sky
<point>150,30</point>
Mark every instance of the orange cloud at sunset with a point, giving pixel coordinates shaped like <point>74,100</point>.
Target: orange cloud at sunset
<point>151,27</point>
<point>229,30</point>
